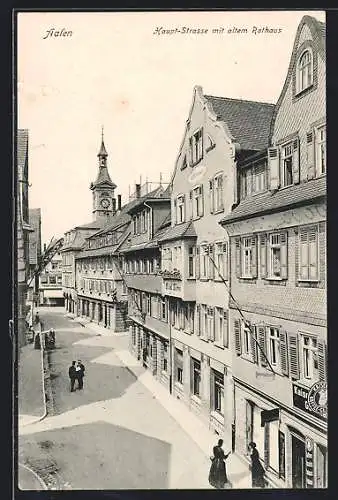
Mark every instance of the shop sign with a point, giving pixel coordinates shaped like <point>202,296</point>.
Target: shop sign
<point>311,400</point>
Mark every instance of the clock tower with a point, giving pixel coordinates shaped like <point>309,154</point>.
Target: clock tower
<point>104,202</point>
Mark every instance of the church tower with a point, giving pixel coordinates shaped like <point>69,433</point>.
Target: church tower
<point>104,202</point>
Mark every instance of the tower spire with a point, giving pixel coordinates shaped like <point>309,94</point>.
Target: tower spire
<point>103,152</point>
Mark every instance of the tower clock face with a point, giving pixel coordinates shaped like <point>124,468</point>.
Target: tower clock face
<point>105,203</point>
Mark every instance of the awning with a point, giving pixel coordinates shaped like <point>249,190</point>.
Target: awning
<point>269,416</point>
<point>53,294</point>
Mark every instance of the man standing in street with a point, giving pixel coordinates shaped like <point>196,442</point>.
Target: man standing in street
<point>72,375</point>
<point>80,369</point>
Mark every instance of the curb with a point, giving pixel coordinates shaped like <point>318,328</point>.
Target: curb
<point>39,479</point>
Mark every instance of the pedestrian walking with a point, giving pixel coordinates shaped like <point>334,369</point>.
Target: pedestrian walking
<point>217,475</point>
<point>72,375</point>
<point>37,318</point>
<point>257,470</point>
<point>80,370</point>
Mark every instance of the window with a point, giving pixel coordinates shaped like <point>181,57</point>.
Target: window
<point>210,327</point>
<point>287,165</point>
<point>304,71</point>
<point>246,339</point>
<point>321,150</point>
<point>308,254</point>
<point>165,357</point>
<point>277,255</point>
<point>210,143</point>
<point>163,309</point>
<point>180,209</point>
<point>204,321</point>
<point>246,183</point>
<point>191,262</point>
<point>218,392</point>
<point>196,146</point>
<point>204,268</point>
<point>52,280</point>
<point>259,179</point>
<point>247,257</point>
<point>198,202</point>
<point>309,357</point>
<point>196,376</point>
<point>274,347</point>
<point>179,366</point>
<point>216,193</point>
<point>219,325</point>
<point>221,261</point>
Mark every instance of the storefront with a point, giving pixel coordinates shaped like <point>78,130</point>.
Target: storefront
<point>292,442</point>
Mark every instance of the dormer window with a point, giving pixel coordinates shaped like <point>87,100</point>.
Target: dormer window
<point>304,71</point>
<point>210,144</point>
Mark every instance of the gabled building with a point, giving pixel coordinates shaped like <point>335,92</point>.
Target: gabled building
<point>50,280</point>
<point>195,251</point>
<point>278,323</point>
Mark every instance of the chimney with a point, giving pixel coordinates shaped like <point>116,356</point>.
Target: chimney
<point>138,190</point>
<point>114,206</point>
<point>119,203</point>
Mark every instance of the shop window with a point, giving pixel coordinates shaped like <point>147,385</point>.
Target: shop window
<point>218,392</point>
<point>196,376</point>
<point>179,366</point>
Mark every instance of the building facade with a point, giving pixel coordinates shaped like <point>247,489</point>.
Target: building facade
<point>34,254</point>
<point>50,283</point>
<point>22,233</point>
<point>147,306</point>
<point>278,323</point>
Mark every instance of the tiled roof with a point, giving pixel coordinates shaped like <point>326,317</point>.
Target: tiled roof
<point>91,225</point>
<point>248,121</point>
<point>269,202</point>
<point>185,230</point>
<point>22,149</point>
<point>76,244</point>
<point>96,252</point>
<point>156,194</point>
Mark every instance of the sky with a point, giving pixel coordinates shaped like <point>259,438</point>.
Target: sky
<point>115,70</point>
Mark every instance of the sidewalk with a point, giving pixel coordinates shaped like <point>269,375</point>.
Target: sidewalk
<point>237,468</point>
<point>29,480</point>
<point>31,399</point>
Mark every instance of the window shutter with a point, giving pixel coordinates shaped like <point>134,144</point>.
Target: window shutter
<point>262,344</point>
<point>211,196</point>
<point>322,360</point>
<point>191,157</point>
<point>197,262</point>
<point>273,160</point>
<point>284,255</point>
<point>266,444</point>
<point>212,329</point>
<point>202,201</point>
<point>284,353</point>
<point>237,331</point>
<point>225,329</point>
<point>263,255</point>
<point>310,155</point>
<point>293,355</point>
<point>211,251</point>
<point>225,261</point>
<point>295,161</point>
<point>322,253</point>
<point>254,256</point>
<point>198,320</point>
<point>303,261</point>
<point>253,344</point>
<point>221,187</point>
<point>238,257</point>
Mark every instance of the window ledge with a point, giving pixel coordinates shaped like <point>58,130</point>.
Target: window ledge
<point>217,416</point>
<point>220,346</point>
<point>248,278</point>
<point>196,398</point>
<point>302,92</point>
<point>274,278</point>
<point>219,211</point>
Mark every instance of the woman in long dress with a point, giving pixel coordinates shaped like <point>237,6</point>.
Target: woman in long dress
<point>257,470</point>
<point>217,475</point>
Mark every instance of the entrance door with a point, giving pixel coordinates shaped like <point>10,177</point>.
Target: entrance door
<point>298,462</point>
<point>321,472</point>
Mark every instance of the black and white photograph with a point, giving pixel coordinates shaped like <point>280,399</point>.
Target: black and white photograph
<point>170,250</point>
